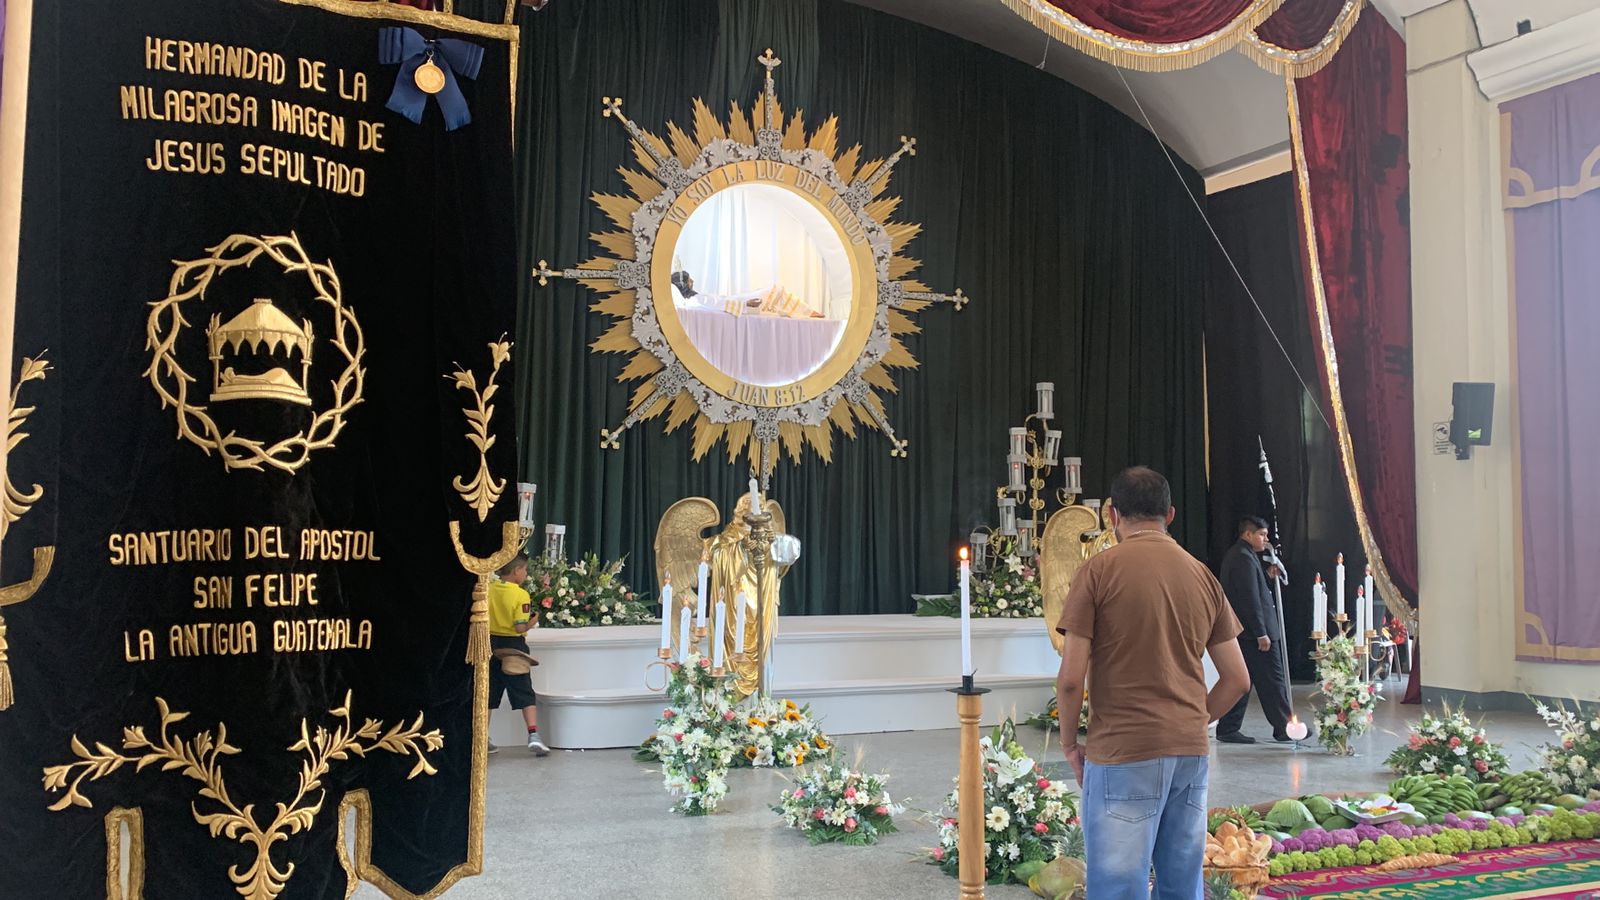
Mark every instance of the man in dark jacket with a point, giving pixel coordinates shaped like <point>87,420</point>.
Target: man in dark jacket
<point>1245,582</point>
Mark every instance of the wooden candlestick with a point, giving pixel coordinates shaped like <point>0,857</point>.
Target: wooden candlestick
<point>973,871</point>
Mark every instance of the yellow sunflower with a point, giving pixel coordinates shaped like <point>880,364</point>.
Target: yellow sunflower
<point>755,722</point>
<point>789,704</point>
<point>821,743</point>
<point>791,716</point>
<point>799,757</point>
<point>750,752</point>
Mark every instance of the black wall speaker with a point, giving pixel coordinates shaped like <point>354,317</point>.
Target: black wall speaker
<point>1472,422</point>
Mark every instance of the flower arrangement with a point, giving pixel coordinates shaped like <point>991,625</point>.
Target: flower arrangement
<point>1026,815</point>
<point>694,738</point>
<point>835,803</point>
<point>1573,762</point>
<point>583,593</point>
<point>773,732</point>
<point>1009,589</point>
<point>1051,717</point>
<point>1365,845</point>
<point>1347,698</point>
<point>1449,744</point>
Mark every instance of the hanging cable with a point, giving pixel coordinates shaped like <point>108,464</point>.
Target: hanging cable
<point>1151,126</point>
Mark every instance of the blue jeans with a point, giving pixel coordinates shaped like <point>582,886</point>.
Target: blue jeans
<point>1138,813</point>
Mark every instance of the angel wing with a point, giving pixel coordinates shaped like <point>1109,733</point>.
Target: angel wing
<point>680,542</point>
<point>1062,554</point>
<point>780,525</point>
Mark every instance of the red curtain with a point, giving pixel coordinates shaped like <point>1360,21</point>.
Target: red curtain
<point>1352,121</point>
<point>1300,24</point>
<point>1156,21</point>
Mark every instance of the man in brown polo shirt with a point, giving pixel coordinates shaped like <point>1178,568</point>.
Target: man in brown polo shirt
<point>1137,620</point>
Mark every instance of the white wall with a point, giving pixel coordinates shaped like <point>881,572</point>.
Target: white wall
<point>1461,321</point>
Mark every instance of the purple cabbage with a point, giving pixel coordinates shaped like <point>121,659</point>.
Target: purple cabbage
<point>1365,832</point>
<point>1399,830</point>
<point>1592,807</point>
<point>1314,839</point>
<point>1277,847</point>
<point>1293,845</point>
<point>1540,812</point>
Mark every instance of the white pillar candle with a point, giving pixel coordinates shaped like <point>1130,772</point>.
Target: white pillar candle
<point>555,540</point>
<point>738,632</point>
<point>1025,538</point>
<point>1014,479</point>
<point>1361,615</point>
<point>1074,466</point>
<point>1047,401</point>
<point>683,636</point>
<point>966,614</point>
<point>1052,445</point>
<point>1019,443</point>
<point>1319,605</point>
<point>1338,582</point>
<point>666,614</point>
<point>1008,516</point>
<point>716,638</point>
<point>1373,620</point>
<point>979,542</point>
<point>700,598</point>
<point>755,498</point>
<point>525,492</point>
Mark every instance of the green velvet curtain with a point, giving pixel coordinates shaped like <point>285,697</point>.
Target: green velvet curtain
<point>1057,214</point>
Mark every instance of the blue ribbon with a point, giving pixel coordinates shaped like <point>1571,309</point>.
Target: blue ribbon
<point>405,46</point>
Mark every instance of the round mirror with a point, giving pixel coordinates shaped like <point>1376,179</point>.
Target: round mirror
<point>763,282</point>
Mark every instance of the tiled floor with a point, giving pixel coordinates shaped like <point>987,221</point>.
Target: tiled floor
<point>597,824</point>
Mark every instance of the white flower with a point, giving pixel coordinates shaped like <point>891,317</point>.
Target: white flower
<point>1577,764</point>
<point>1013,851</point>
<point>1001,603</point>
<point>1055,790</point>
<point>1461,750</point>
<point>1429,764</point>
<point>1022,799</point>
<point>1014,564</point>
<point>998,818</point>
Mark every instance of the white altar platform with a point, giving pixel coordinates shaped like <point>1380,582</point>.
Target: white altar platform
<point>860,674</point>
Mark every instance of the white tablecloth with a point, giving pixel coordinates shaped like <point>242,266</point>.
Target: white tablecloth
<point>764,350</point>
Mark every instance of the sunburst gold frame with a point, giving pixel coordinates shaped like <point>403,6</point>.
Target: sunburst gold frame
<point>633,278</point>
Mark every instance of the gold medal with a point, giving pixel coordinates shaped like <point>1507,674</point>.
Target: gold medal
<point>429,77</point>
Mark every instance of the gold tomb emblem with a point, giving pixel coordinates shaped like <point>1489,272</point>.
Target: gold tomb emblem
<point>260,325</point>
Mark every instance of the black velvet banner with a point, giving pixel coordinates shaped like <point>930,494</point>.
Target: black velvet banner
<point>252,286</point>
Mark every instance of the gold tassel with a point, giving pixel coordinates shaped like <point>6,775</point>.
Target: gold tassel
<point>478,631</point>
<point>7,695</point>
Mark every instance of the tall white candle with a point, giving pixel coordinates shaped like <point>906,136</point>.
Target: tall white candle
<point>1338,579</point>
<point>755,498</point>
<point>525,492</point>
<point>966,614</point>
<point>738,634</point>
<point>1361,615</point>
<point>700,598</point>
<point>683,636</point>
<point>666,614</point>
<point>1373,621</point>
<point>1319,605</point>
<point>1047,400</point>
<point>1019,443</point>
<point>716,640</point>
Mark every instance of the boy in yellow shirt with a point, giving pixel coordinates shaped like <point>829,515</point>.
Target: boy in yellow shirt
<point>509,620</point>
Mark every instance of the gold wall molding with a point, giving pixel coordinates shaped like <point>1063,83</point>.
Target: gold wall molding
<point>200,758</point>
<point>483,490</point>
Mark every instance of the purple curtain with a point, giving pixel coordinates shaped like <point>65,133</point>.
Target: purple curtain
<point>1553,208</point>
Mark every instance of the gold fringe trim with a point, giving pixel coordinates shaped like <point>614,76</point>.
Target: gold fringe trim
<point>1301,63</point>
<point>1141,56</point>
<point>1330,363</point>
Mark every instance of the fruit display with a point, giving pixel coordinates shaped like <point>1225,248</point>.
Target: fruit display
<point>1433,796</point>
<point>1238,815</point>
<point>1524,789</point>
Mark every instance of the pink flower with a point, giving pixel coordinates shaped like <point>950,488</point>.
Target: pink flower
<point>1415,742</point>
<point>667,714</point>
<point>545,581</point>
<point>1477,739</point>
<point>705,662</point>
<point>849,793</point>
<point>950,822</point>
<point>818,813</point>
<point>1455,742</point>
<point>1566,744</point>
<point>678,736</point>
<point>849,825</point>
<point>727,716</point>
<point>546,603</point>
<point>1355,704</point>
<point>938,854</point>
<point>1481,766</point>
<point>1042,784</point>
<point>881,810</point>
<point>582,595</point>
<point>1341,715</point>
<point>628,596</point>
<point>694,779</point>
<point>1040,828</point>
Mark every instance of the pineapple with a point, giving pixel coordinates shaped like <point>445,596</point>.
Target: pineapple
<point>1219,886</point>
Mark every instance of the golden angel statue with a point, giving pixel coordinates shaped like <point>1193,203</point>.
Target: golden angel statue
<point>1070,537</point>
<point>681,545</point>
